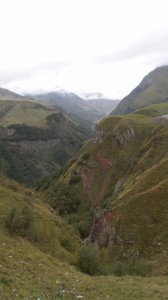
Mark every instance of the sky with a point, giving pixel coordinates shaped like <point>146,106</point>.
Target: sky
<point>83,46</point>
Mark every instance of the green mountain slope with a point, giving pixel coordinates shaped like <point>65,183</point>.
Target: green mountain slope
<point>38,252</point>
<point>8,95</point>
<point>119,181</point>
<point>74,106</point>
<point>152,89</point>
<point>35,139</point>
<point>25,112</point>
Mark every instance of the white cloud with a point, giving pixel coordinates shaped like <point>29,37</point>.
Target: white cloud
<point>60,42</point>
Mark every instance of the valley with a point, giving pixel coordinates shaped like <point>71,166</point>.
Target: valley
<point>83,194</point>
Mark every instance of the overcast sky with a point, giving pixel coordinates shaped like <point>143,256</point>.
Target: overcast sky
<point>81,45</point>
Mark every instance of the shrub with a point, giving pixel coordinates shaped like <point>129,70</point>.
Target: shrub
<point>18,222</point>
<point>67,205</point>
<point>84,229</point>
<point>13,185</point>
<point>119,269</point>
<point>88,260</point>
<point>137,267</point>
<point>86,156</point>
<point>74,179</point>
<point>68,243</point>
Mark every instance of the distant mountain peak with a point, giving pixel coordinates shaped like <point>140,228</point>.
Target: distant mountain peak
<point>60,90</point>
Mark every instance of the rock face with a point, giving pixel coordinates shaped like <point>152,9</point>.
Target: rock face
<point>103,232</point>
<point>6,132</point>
<point>118,137</point>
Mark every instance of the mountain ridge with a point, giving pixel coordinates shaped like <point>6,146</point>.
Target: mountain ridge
<point>152,89</point>
<point>74,106</point>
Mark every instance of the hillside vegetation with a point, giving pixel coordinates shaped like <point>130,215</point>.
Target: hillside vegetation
<point>35,140</point>
<point>38,254</point>
<point>115,190</point>
<point>95,226</point>
<point>29,113</point>
<point>153,89</point>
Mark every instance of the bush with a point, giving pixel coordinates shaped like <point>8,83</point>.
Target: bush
<point>86,156</point>
<point>18,222</point>
<point>13,185</point>
<point>84,229</point>
<point>118,269</point>
<point>74,179</point>
<point>137,267</point>
<point>68,243</point>
<point>67,205</point>
<point>88,260</point>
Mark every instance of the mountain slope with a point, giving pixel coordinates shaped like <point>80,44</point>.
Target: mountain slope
<point>152,89</point>
<point>8,95</point>
<point>32,245</point>
<point>120,182</point>
<point>35,139</point>
<point>103,105</point>
<point>74,106</point>
<point>23,112</point>
<point>38,251</point>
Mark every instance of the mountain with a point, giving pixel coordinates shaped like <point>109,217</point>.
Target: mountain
<point>74,106</point>
<point>152,89</point>
<point>114,190</point>
<point>8,95</point>
<point>39,251</point>
<point>35,139</point>
<point>99,102</point>
<point>106,106</point>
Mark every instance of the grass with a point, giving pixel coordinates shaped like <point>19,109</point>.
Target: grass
<point>111,122</point>
<point>36,269</point>
<point>23,112</point>
<point>152,90</point>
<point>28,273</point>
<point>155,110</point>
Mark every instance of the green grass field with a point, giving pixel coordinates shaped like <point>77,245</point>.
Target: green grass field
<point>29,113</point>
